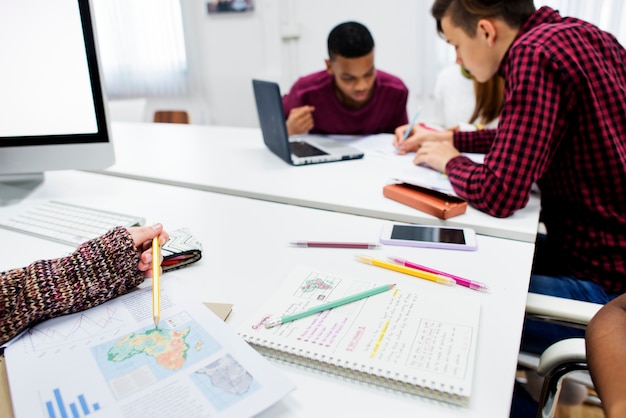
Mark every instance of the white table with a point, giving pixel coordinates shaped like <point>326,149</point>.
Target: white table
<point>246,256</point>
<point>235,161</point>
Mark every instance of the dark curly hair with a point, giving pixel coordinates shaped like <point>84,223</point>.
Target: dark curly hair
<point>350,40</point>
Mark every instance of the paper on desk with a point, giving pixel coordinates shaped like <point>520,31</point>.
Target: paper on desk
<point>427,177</point>
<point>424,177</point>
<point>111,359</point>
<point>378,146</point>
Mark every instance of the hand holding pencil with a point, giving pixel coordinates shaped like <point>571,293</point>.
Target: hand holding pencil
<point>401,136</point>
<point>148,241</point>
<point>142,239</point>
<point>411,139</point>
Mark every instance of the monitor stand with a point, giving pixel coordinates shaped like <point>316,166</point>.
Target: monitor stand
<point>15,187</point>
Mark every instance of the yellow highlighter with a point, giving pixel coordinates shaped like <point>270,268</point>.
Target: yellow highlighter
<point>406,270</point>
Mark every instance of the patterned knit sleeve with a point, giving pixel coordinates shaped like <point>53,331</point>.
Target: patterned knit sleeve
<point>98,270</point>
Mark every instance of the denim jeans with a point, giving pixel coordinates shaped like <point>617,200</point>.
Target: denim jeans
<point>547,279</point>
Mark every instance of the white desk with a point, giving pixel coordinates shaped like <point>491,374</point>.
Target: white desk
<point>246,256</point>
<point>235,161</point>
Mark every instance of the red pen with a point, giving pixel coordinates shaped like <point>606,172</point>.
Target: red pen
<point>459,280</point>
<point>175,259</point>
<point>320,244</point>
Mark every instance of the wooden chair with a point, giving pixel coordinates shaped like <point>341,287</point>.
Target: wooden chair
<point>171,116</point>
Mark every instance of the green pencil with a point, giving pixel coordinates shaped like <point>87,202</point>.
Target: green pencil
<point>272,322</point>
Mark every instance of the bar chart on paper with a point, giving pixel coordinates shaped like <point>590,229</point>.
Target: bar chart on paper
<point>57,406</point>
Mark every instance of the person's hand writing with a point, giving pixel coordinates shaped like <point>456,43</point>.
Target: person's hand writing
<point>398,139</point>
<point>142,237</point>
<point>436,154</point>
<point>418,135</point>
<point>300,120</point>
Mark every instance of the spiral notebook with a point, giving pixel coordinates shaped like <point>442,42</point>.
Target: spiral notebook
<point>413,339</point>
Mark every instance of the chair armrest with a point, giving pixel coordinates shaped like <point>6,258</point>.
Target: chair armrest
<point>562,353</point>
<point>556,362</point>
<point>569,312</point>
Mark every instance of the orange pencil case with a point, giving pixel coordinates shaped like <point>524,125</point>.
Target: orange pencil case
<point>435,203</point>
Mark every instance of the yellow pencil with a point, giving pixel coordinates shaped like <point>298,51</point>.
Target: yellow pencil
<point>406,270</point>
<point>156,281</point>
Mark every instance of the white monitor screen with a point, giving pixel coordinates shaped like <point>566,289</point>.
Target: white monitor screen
<point>45,86</point>
<point>52,105</point>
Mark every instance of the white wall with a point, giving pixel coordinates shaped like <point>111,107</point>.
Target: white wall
<point>228,50</point>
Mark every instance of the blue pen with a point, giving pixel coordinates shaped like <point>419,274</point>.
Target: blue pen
<point>408,130</point>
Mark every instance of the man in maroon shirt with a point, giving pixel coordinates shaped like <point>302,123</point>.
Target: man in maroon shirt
<point>562,126</point>
<point>350,97</point>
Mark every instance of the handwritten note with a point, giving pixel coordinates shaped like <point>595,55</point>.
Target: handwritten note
<point>420,337</point>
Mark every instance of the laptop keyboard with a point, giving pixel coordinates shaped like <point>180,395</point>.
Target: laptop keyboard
<point>67,224</point>
<point>303,149</point>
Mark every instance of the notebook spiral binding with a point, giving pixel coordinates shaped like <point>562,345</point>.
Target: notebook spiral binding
<point>357,372</point>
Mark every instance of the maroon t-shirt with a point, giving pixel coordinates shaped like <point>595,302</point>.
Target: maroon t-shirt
<point>385,111</point>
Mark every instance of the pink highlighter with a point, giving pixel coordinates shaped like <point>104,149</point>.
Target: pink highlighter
<point>427,127</point>
<point>459,280</point>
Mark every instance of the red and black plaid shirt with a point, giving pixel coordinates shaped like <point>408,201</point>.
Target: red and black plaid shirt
<point>563,126</point>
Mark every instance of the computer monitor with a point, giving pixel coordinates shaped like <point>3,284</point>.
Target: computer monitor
<point>52,103</point>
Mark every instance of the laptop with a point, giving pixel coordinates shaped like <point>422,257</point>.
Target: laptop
<point>299,149</point>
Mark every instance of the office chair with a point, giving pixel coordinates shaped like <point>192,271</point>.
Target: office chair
<point>557,361</point>
<point>171,116</point>
<point>562,357</point>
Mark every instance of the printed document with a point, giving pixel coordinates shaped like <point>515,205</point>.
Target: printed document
<point>111,361</point>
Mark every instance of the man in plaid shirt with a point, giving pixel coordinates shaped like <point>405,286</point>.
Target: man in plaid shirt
<point>562,127</point>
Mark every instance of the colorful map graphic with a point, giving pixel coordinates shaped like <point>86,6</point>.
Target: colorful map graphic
<point>317,287</point>
<point>148,355</point>
<point>145,356</point>
<point>168,347</point>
